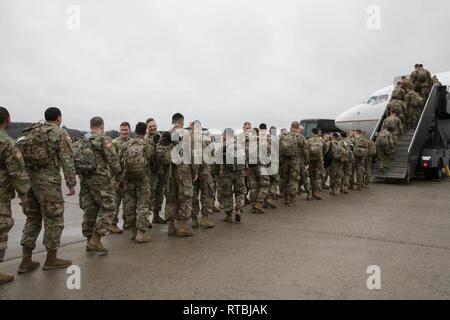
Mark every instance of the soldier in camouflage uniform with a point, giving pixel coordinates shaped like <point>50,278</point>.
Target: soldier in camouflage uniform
<point>422,80</point>
<point>13,177</point>
<point>304,181</point>
<point>119,142</point>
<point>399,93</point>
<point>361,155</point>
<point>137,156</point>
<point>179,178</point>
<point>156,173</point>
<point>399,108</point>
<point>52,144</point>
<point>436,81</point>
<point>385,149</point>
<point>337,165</point>
<point>232,176</point>
<point>97,194</point>
<point>203,188</point>
<point>394,125</point>
<point>316,165</point>
<point>407,84</point>
<point>414,105</point>
<point>291,145</point>
<point>326,138</point>
<point>347,165</point>
<point>369,162</point>
<point>274,180</point>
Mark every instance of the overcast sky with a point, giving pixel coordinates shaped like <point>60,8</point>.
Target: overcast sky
<point>220,61</point>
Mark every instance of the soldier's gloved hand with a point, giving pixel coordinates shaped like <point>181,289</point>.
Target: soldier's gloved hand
<point>71,192</point>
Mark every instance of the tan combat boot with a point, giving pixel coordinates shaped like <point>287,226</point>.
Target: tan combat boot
<point>94,244</point>
<point>206,223</point>
<point>141,237</point>
<point>5,278</point>
<point>183,230</point>
<point>114,229</point>
<point>53,263</point>
<point>316,195</point>
<point>172,230</point>
<point>158,220</point>
<point>291,202</point>
<point>195,223</point>
<point>270,204</point>
<point>259,208</point>
<point>229,218</point>
<point>237,216</point>
<point>133,234</point>
<point>27,264</point>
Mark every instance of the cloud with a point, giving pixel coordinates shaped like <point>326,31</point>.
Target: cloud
<point>221,61</point>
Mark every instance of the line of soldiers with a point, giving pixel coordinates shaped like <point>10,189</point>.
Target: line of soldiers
<point>403,112</point>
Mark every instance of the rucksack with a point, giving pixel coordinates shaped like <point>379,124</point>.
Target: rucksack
<point>288,145</point>
<point>422,75</point>
<point>361,148</point>
<point>163,155</point>
<point>35,146</point>
<point>315,150</point>
<point>385,141</point>
<point>135,159</point>
<point>339,152</point>
<point>84,156</point>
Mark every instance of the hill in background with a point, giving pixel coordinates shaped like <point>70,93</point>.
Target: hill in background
<point>17,127</point>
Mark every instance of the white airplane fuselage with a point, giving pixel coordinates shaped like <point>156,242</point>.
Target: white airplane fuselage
<point>365,116</point>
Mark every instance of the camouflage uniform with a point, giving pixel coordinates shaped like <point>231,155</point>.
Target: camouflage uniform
<point>13,177</point>
<point>259,182</point>
<point>97,195</point>
<point>304,173</point>
<point>423,84</point>
<point>336,167</point>
<point>118,144</point>
<point>156,177</point>
<point>290,166</point>
<point>414,105</point>
<point>316,166</point>
<point>369,162</point>
<point>361,155</point>
<point>399,107</point>
<point>137,187</point>
<point>45,198</point>
<point>394,125</point>
<point>385,149</point>
<point>398,93</point>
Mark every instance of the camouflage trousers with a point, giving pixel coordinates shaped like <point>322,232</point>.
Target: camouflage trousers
<point>233,182</point>
<point>347,173</point>
<point>218,190</point>
<point>360,167</point>
<point>424,92</point>
<point>203,194</point>
<point>383,159</point>
<point>315,173</point>
<point>45,203</point>
<point>274,184</point>
<point>304,179</point>
<point>119,199</point>
<point>179,193</point>
<point>137,203</point>
<point>412,118</point>
<point>351,173</point>
<point>289,175</point>
<point>367,171</point>
<point>6,223</point>
<point>157,191</point>
<point>98,202</point>
<point>336,175</point>
<point>259,184</point>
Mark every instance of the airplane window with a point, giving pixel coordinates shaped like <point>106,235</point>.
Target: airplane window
<point>382,99</point>
<point>372,100</point>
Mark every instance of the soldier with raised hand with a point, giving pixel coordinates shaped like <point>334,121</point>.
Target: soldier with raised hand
<point>394,125</point>
<point>179,178</point>
<point>137,156</point>
<point>156,173</point>
<point>316,165</point>
<point>204,186</point>
<point>14,178</point>
<point>119,142</point>
<point>232,176</point>
<point>97,194</point>
<point>46,148</point>
<point>361,155</point>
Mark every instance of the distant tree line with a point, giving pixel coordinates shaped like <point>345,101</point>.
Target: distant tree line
<point>17,127</point>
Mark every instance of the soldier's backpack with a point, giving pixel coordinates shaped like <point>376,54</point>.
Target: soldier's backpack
<point>416,101</point>
<point>315,150</point>
<point>339,152</point>
<point>84,156</point>
<point>163,155</point>
<point>372,148</point>
<point>385,141</point>
<point>422,75</point>
<point>288,145</point>
<point>35,146</point>
<point>361,148</point>
<point>135,159</point>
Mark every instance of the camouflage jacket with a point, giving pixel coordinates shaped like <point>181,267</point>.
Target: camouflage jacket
<point>393,124</point>
<point>62,153</point>
<point>106,156</point>
<point>413,100</point>
<point>118,145</point>
<point>13,176</point>
<point>399,93</point>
